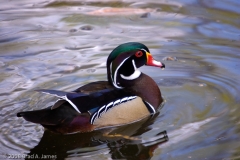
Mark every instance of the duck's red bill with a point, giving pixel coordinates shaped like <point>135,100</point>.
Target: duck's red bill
<point>152,62</point>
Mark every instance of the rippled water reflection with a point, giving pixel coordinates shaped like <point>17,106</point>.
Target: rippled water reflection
<point>64,44</point>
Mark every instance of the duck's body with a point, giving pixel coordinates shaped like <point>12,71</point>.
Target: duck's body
<point>126,97</point>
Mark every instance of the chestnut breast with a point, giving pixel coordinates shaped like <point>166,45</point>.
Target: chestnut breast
<point>145,87</point>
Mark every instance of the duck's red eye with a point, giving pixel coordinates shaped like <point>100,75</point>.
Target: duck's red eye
<point>138,53</point>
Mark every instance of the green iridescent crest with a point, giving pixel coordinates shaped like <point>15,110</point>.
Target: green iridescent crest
<point>125,47</point>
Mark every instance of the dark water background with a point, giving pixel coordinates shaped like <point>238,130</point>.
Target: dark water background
<point>64,44</point>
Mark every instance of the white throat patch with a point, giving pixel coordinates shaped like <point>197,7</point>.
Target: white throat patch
<point>135,75</point>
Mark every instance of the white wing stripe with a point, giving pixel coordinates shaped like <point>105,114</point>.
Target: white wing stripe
<point>72,104</point>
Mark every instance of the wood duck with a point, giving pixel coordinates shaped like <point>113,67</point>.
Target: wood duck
<point>128,96</point>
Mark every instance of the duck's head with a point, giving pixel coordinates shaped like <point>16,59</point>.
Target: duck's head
<point>124,61</point>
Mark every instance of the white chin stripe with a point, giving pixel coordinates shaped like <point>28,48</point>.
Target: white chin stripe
<point>135,75</point>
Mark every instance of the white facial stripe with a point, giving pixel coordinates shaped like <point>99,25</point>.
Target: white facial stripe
<point>115,74</point>
<point>144,50</point>
<point>135,75</point>
<point>115,85</point>
<point>134,65</point>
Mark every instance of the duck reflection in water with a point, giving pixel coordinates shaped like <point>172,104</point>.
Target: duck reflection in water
<point>120,142</point>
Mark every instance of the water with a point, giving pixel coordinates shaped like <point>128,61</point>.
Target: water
<point>63,45</point>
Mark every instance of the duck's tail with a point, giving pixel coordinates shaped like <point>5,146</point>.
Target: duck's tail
<point>63,119</point>
<point>38,116</point>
